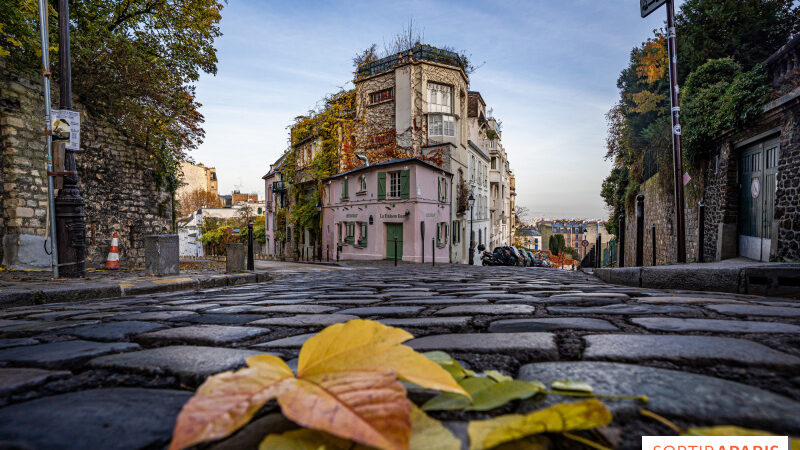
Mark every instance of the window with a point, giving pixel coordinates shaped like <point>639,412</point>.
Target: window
<point>339,231</point>
<point>394,184</point>
<point>362,234</point>
<point>362,182</point>
<point>345,187</point>
<point>442,189</point>
<point>456,233</point>
<point>494,163</point>
<point>441,233</point>
<point>351,232</point>
<point>440,98</point>
<point>441,125</point>
<point>381,96</point>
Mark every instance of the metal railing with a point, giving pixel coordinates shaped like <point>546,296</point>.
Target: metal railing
<point>419,52</point>
<point>278,186</point>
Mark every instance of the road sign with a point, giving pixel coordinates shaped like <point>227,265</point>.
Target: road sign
<point>648,6</point>
<point>585,243</point>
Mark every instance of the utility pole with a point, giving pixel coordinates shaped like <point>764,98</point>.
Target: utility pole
<point>647,7</point>
<point>70,216</point>
<point>51,210</point>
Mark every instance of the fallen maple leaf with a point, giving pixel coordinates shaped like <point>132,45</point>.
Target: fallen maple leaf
<point>346,385</point>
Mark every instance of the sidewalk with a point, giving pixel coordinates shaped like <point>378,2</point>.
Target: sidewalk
<point>28,287</point>
<point>738,275</point>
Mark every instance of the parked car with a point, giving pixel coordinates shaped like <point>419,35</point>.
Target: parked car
<point>500,256</point>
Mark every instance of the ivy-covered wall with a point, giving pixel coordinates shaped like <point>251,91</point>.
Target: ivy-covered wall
<point>118,182</point>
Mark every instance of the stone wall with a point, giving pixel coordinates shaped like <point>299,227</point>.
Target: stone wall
<point>719,188</point>
<point>659,211</point>
<point>117,181</point>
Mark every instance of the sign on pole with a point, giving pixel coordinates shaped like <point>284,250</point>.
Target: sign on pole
<point>67,127</point>
<point>648,6</point>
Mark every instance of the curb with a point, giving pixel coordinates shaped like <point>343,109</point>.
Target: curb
<point>761,280</point>
<point>28,297</point>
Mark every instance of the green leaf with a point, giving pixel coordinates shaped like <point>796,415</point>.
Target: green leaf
<point>448,363</point>
<point>571,385</point>
<point>446,401</point>
<point>497,376</point>
<point>499,394</point>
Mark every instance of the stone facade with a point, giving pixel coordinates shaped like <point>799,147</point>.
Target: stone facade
<point>117,182</point>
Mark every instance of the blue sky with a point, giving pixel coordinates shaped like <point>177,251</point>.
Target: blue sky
<point>549,72</point>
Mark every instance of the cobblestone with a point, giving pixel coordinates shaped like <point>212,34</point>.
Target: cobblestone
<point>733,359</point>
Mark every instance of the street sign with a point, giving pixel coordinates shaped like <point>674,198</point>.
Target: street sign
<point>67,127</point>
<point>585,243</point>
<point>648,6</point>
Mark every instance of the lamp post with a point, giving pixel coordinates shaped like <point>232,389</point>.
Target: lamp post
<point>319,235</point>
<point>471,201</point>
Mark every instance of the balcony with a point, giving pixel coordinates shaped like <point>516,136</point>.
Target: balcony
<point>278,186</point>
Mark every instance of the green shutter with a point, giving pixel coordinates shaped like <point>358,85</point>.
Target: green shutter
<point>404,184</point>
<point>382,186</point>
<point>439,184</point>
<point>345,186</point>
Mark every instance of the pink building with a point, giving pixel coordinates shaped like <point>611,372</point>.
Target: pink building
<point>366,208</point>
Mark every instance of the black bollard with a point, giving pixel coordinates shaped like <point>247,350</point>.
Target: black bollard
<point>701,231</point>
<point>621,245</point>
<point>328,253</point>
<point>250,258</point>
<point>599,253</point>
<point>395,249</point>
<point>653,233</point>
<point>433,252</point>
<point>639,230</point>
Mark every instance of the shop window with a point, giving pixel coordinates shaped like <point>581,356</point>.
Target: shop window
<point>351,233</point>
<point>362,234</point>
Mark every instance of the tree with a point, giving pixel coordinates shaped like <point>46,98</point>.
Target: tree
<point>748,31</point>
<point>199,198</point>
<point>133,63</point>
<point>557,244</point>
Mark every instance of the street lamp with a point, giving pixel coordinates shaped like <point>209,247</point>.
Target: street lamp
<point>471,201</point>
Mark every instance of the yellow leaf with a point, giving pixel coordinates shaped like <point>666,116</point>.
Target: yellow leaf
<point>227,401</point>
<point>370,408</point>
<point>560,417</point>
<point>363,345</point>
<point>479,430</point>
<point>429,434</point>
<point>306,439</point>
<point>730,430</point>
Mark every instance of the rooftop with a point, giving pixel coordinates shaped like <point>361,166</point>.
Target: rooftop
<point>421,52</point>
<point>388,163</point>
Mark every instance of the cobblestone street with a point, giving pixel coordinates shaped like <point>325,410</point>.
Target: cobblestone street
<point>114,373</point>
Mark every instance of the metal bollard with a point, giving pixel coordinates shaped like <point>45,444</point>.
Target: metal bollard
<point>328,253</point>
<point>653,233</point>
<point>338,246</point>
<point>598,262</point>
<point>639,230</point>
<point>250,258</point>
<point>701,231</point>
<point>621,245</point>
<point>433,252</point>
<point>395,250</point>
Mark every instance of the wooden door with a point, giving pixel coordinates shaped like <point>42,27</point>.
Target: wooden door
<point>394,230</point>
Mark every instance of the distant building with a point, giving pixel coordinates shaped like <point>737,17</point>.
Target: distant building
<point>197,176</point>
<point>529,237</point>
<point>237,198</point>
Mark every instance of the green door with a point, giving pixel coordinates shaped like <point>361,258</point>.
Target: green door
<point>758,167</point>
<point>394,230</point>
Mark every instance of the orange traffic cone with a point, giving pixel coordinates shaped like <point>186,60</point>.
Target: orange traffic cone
<point>112,262</point>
